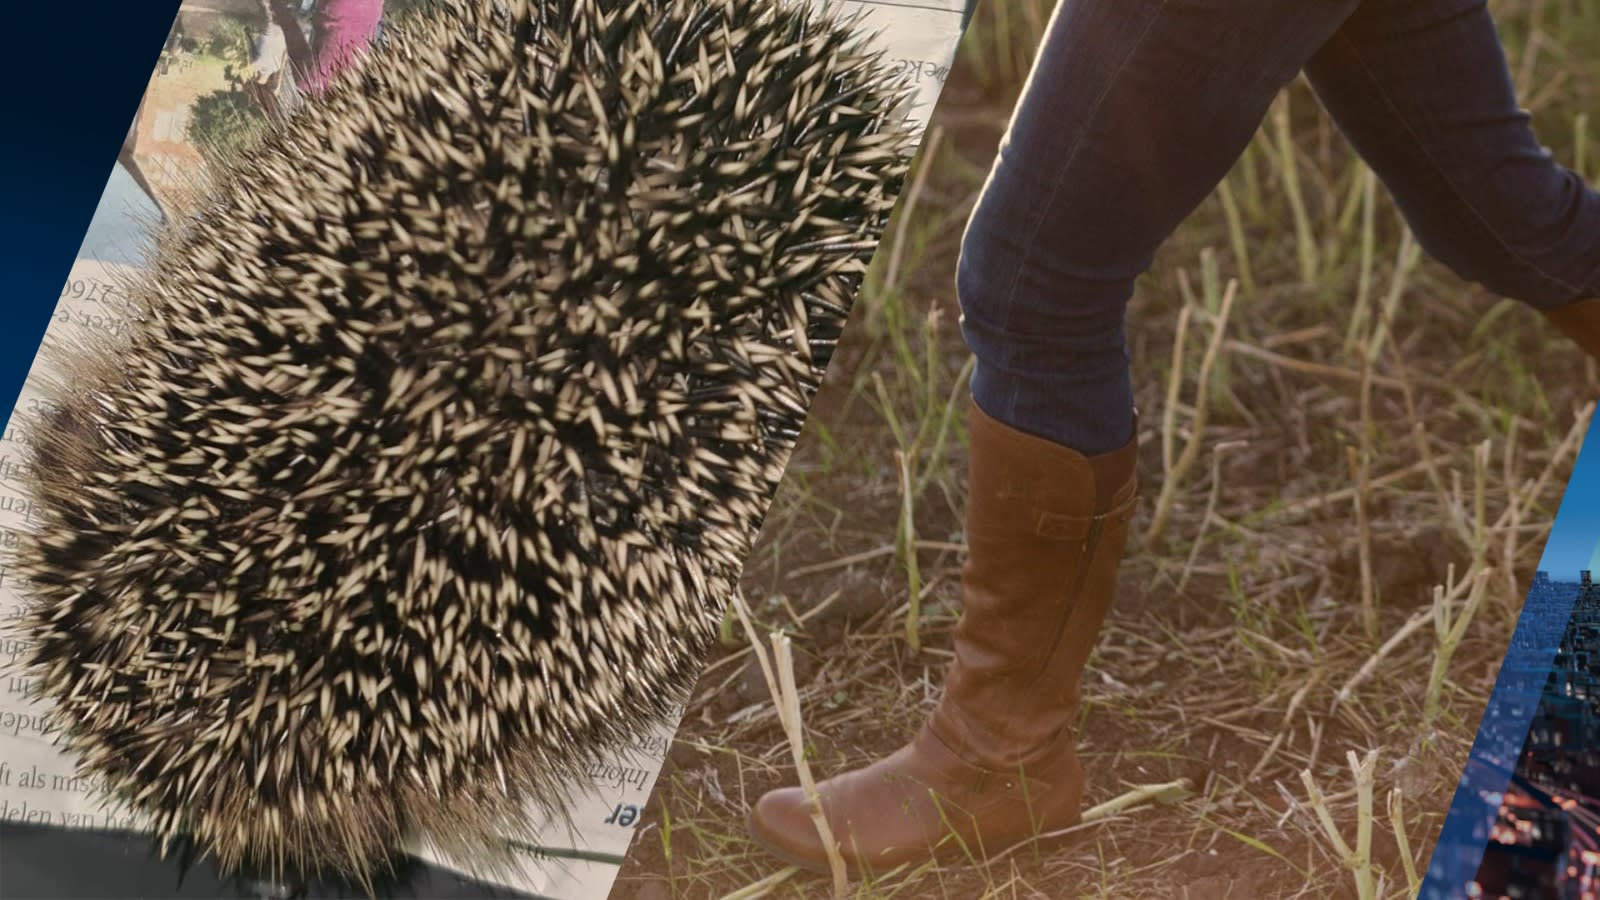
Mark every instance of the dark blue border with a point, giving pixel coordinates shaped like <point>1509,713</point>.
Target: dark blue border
<point>73,73</point>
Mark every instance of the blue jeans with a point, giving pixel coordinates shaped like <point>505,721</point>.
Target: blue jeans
<point>1136,109</point>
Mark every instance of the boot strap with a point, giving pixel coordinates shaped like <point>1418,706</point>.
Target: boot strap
<point>1063,527</point>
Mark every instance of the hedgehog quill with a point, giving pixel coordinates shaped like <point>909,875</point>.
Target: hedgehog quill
<point>445,423</point>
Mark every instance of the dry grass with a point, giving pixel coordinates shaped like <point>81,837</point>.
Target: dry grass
<point>1359,469</point>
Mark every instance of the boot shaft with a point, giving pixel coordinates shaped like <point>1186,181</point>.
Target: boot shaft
<point>1046,527</point>
<point>1579,321</point>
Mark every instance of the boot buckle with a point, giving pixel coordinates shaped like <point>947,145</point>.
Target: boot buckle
<point>1064,527</point>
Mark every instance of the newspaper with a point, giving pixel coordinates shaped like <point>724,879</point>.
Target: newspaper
<point>224,65</point>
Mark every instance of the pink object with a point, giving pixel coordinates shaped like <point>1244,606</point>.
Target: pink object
<point>344,28</point>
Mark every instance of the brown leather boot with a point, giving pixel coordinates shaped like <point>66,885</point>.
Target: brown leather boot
<point>1581,322</point>
<point>994,765</point>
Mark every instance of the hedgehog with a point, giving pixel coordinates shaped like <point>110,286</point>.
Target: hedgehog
<point>430,457</point>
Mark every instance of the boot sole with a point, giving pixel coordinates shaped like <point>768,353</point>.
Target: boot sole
<point>854,873</point>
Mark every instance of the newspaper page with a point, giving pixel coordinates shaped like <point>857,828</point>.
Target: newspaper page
<point>226,64</point>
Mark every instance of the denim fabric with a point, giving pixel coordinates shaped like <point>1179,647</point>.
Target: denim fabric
<point>1136,109</point>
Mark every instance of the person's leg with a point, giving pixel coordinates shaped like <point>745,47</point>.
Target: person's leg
<point>1133,114</point>
<point>1423,91</point>
<point>1134,111</point>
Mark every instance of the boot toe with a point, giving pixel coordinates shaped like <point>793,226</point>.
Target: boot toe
<point>781,822</point>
